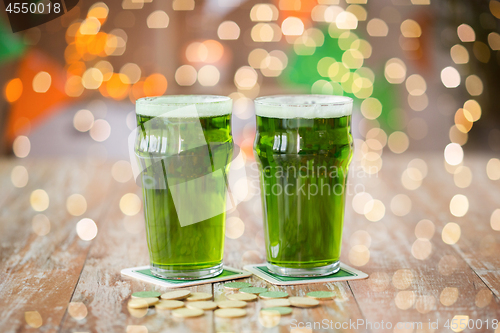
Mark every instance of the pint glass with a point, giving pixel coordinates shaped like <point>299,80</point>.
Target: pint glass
<point>184,147</point>
<point>303,146</point>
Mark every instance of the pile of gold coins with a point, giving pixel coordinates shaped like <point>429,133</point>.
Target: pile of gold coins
<point>186,304</point>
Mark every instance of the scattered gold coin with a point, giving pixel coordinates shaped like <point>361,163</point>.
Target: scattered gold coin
<point>275,303</point>
<point>185,312</point>
<point>273,294</point>
<point>242,297</point>
<point>321,294</point>
<point>176,295</point>
<point>140,303</point>
<point>236,285</point>
<point>169,305</point>
<point>231,304</point>
<point>230,313</point>
<point>203,305</point>
<point>303,302</point>
<point>196,297</point>
<point>276,311</point>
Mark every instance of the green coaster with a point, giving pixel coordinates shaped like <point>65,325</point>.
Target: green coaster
<point>143,273</point>
<point>345,273</point>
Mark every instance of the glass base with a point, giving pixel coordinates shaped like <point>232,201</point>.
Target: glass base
<point>305,272</point>
<point>192,274</point>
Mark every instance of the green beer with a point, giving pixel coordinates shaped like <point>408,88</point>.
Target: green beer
<point>303,147</point>
<point>184,146</point>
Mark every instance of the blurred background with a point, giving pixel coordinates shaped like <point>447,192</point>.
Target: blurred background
<point>424,75</point>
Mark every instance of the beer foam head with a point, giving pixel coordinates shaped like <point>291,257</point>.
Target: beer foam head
<point>181,106</point>
<point>303,106</point>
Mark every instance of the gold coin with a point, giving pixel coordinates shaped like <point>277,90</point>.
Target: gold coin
<point>185,312</point>
<point>231,304</point>
<point>276,303</point>
<point>169,305</point>
<point>176,295</point>
<point>241,297</point>
<point>230,313</point>
<point>303,302</point>
<point>273,294</point>
<point>196,297</point>
<point>203,305</point>
<point>141,303</point>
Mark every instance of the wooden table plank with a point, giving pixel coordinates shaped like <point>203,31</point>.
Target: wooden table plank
<point>40,272</point>
<point>390,251</point>
<point>121,243</point>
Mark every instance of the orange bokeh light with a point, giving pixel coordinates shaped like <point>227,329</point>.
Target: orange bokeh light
<point>155,85</point>
<point>76,68</point>
<point>97,43</point>
<point>13,90</point>
<point>115,88</point>
<point>463,124</point>
<point>137,91</point>
<point>215,50</point>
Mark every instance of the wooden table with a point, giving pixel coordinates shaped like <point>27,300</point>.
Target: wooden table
<point>41,275</point>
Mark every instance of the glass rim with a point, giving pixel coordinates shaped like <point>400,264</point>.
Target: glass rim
<point>176,100</point>
<point>324,100</point>
<point>176,106</point>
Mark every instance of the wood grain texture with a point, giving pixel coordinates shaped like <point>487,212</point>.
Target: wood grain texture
<point>76,286</point>
<point>429,292</point>
<point>39,273</point>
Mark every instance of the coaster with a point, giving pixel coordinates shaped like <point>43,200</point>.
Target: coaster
<point>144,274</point>
<point>345,273</point>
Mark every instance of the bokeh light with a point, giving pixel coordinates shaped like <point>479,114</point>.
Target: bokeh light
<point>398,142</point>
<point>234,227</point>
<point>228,30</point>
<point>76,204</point>
<point>453,154</point>
<point>13,90</point>
<point>466,33</point>
<point>292,26</point>
<point>448,296</point>
<point>19,176</point>
<point>208,76</point>
<point>40,224</point>
<point>158,20</point>
<point>402,279</point>
<point>130,204</point>
<point>86,229</point>
<point>459,205</point>
<point>100,131</point>
<point>450,77</point>
<point>83,120</point>
<point>395,71</point>
<point>33,319</point>
<point>39,200</point>
<point>77,310</point>
<point>400,205</point>
<point>424,229</point>
<point>42,82</point>
<point>377,28</point>
<point>451,233</point>
<point>493,169</point>
<point>495,220</point>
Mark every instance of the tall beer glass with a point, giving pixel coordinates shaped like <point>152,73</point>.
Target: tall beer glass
<point>184,147</point>
<point>303,147</point>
